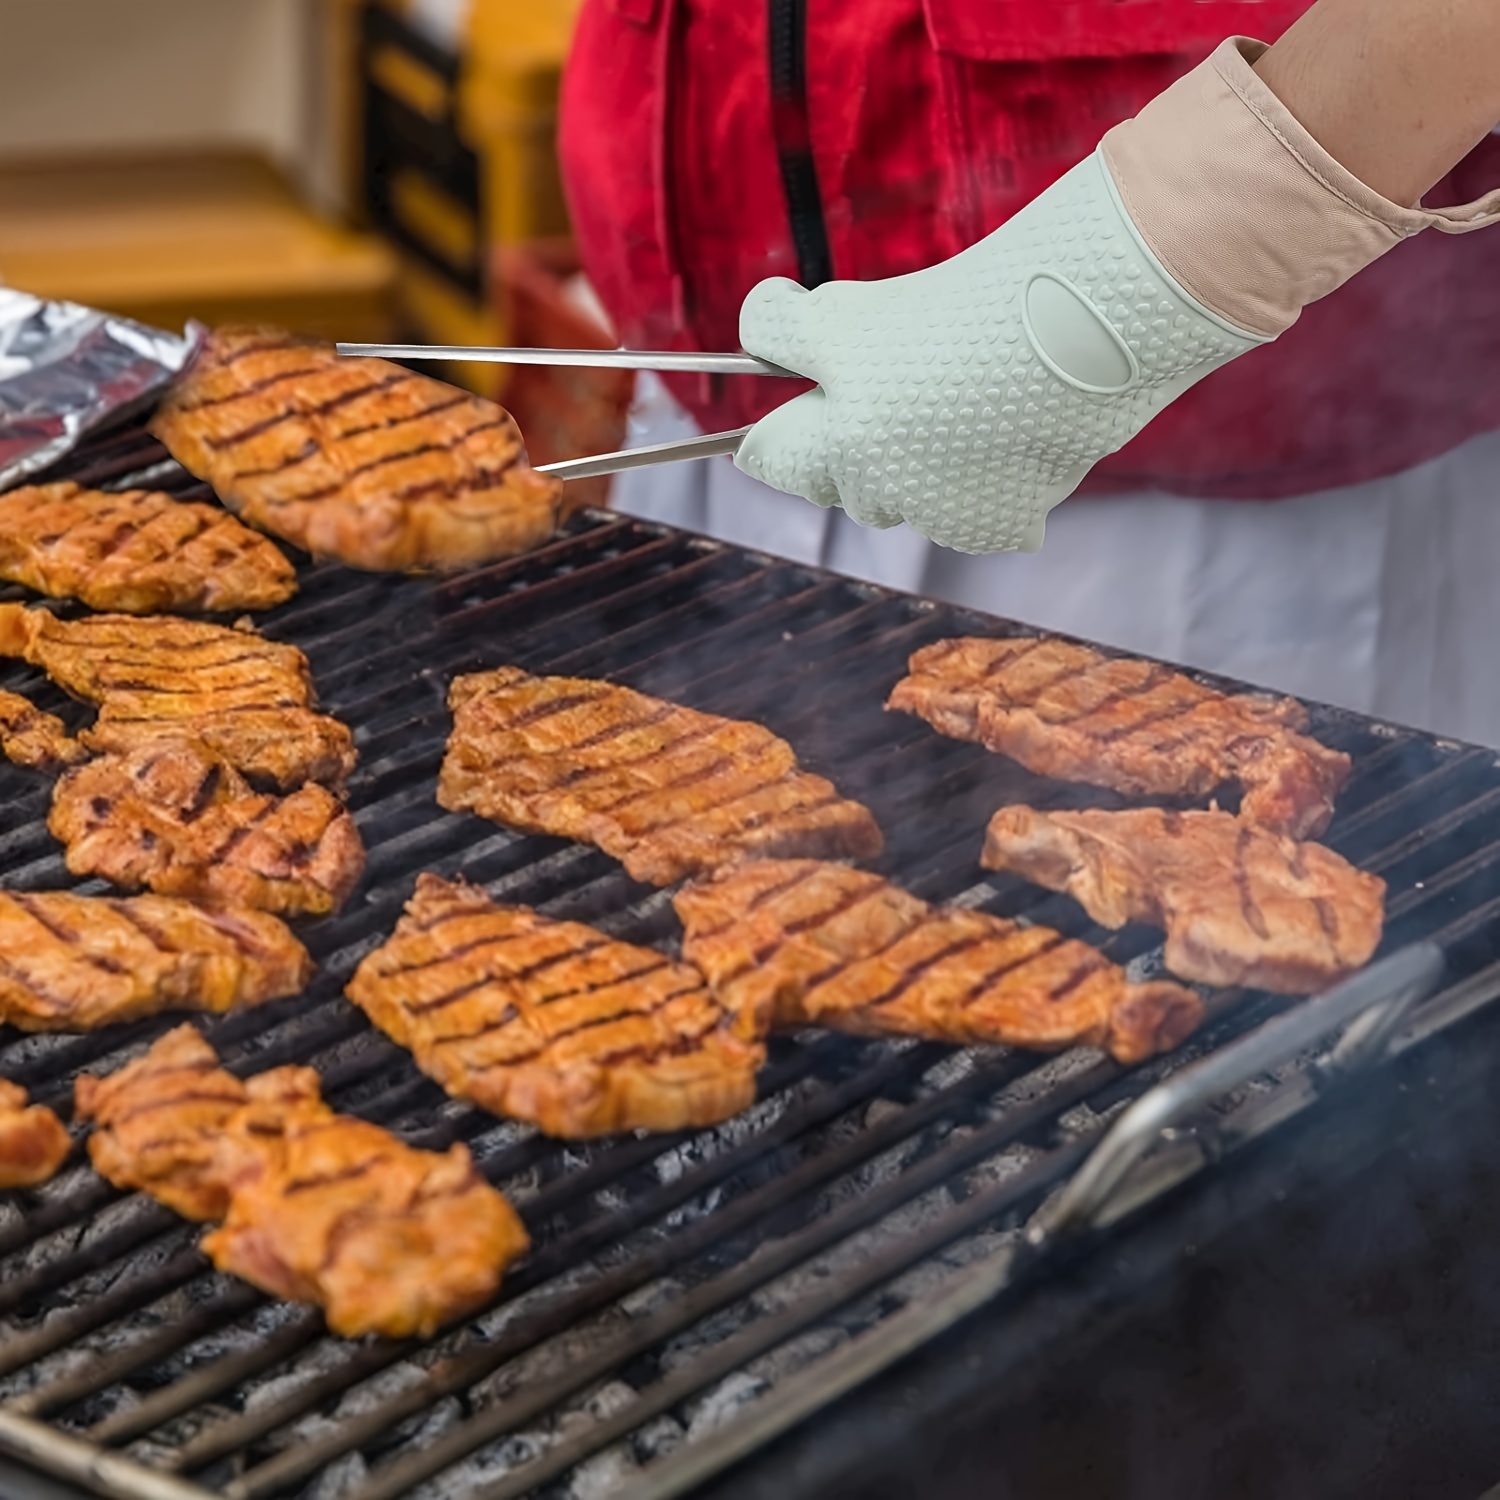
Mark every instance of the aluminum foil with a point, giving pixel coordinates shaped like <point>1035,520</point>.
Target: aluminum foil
<point>65,369</point>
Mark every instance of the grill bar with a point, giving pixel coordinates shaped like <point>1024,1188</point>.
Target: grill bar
<point>665,1270</point>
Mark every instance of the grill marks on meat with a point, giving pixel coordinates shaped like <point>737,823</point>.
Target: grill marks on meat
<point>1239,905</point>
<point>553,1022</point>
<point>73,963</point>
<point>158,1120</point>
<point>317,1207</point>
<point>826,945</point>
<point>1070,712</point>
<point>34,739</point>
<point>138,551</point>
<point>247,699</point>
<point>668,791</point>
<point>332,1210</point>
<point>355,459</point>
<point>177,819</point>
<point>33,1142</point>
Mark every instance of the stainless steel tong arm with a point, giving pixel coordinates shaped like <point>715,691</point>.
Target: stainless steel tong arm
<point>681,361</point>
<point>1370,1005</point>
<point>708,446</point>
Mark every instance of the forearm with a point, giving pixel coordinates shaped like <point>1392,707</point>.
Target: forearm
<point>1397,91</point>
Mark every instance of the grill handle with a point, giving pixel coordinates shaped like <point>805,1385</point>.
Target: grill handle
<point>1369,1006</point>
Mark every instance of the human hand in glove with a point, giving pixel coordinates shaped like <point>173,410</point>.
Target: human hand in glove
<point>970,398</point>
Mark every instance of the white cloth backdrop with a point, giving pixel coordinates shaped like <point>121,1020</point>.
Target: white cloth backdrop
<point>1382,597</point>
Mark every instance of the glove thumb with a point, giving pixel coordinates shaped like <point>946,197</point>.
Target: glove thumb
<point>776,323</point>
<point>788,449</point>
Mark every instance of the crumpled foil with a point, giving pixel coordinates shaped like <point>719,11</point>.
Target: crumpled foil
<point>65,369</point>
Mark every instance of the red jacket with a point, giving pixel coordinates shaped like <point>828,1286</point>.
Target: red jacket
<point>709,143</point>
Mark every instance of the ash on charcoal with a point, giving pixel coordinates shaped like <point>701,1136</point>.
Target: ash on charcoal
<point>723,1403</point>
<point>106,1404</point>
<point>60,1366</point>
<point>956,1067</point>
<point>484,1467</point>
<point>851,1255</point>
<point>657,1439</point>
<point>565,1284</point>
<point>688,1346</point>
<point>1083,1119</point>
<point>974,1248</point>
<point>915,1285</point>
<point>652,1297</point>
<point>553,1357</point>
<point>604,1474</point>
<point>880,1110</point>
<point>431,1425</point>
<point>325,1355</point>
<point>995,1169</point>
<point>783,1362</point>
<point>340,1478</point>
<point>609,1399</point>
<point>886,1167</point>
<point>1051,1074</point>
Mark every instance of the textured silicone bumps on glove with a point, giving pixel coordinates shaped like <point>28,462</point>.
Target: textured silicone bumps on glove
<point>939,401</point>
<point>970,398</point>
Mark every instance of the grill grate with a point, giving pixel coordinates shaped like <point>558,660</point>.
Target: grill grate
<point>676,1279</point>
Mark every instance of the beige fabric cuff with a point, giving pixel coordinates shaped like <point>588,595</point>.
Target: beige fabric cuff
<point>1250,214</point>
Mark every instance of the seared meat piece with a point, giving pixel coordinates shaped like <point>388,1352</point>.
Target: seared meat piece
<point>72,963</point>
<point>355,458</point>
<point>328,1209</point>
<point>248,699</point>
<point>174,817</point>
<point>554,1022</point>
<point>317,1206</point>
<point>667,791</point>
<point>1240,905</point>
<point>33,739</point>
<point>825,945</point>
<point>158,1122</point>
<point>1136,726</point>
<point>33,1142</point>
<point>138,551</point>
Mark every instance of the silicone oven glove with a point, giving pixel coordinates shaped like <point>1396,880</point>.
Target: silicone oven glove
<point>970,398</point>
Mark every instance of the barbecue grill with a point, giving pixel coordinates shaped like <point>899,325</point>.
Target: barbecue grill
<point>690,1299</point>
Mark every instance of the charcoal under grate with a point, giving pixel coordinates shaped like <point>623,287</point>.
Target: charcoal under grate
<point>675,1281</point>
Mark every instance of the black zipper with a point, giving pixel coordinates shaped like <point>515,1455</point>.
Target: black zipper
<point>789,122</point>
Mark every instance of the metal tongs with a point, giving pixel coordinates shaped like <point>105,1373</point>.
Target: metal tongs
<point>708,446</point>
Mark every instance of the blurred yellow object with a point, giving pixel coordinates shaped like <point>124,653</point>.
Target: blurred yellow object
<point>508,109</point>
<point>457,161</point>
<point>219,237</point>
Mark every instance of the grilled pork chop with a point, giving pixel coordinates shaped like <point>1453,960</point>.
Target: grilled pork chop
<point>1240,905</point>
<point>826,945</point>
<point>553,1022</point>
<point>72,963</point>
<point>33,739</point>
<point>355,458</point>
<point>1066,711</point>
<point>328,1209</point>
<point>177,819</point>
<point>138,551</point>
<point>33,1142</point>
<point>248,699</point>
<point>667,791</point>
<point>158,1120</point>
<point>317,1206</point>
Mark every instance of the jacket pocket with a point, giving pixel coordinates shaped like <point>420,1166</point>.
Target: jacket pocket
<point>1032,31</point>
<point>1030,86</point>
